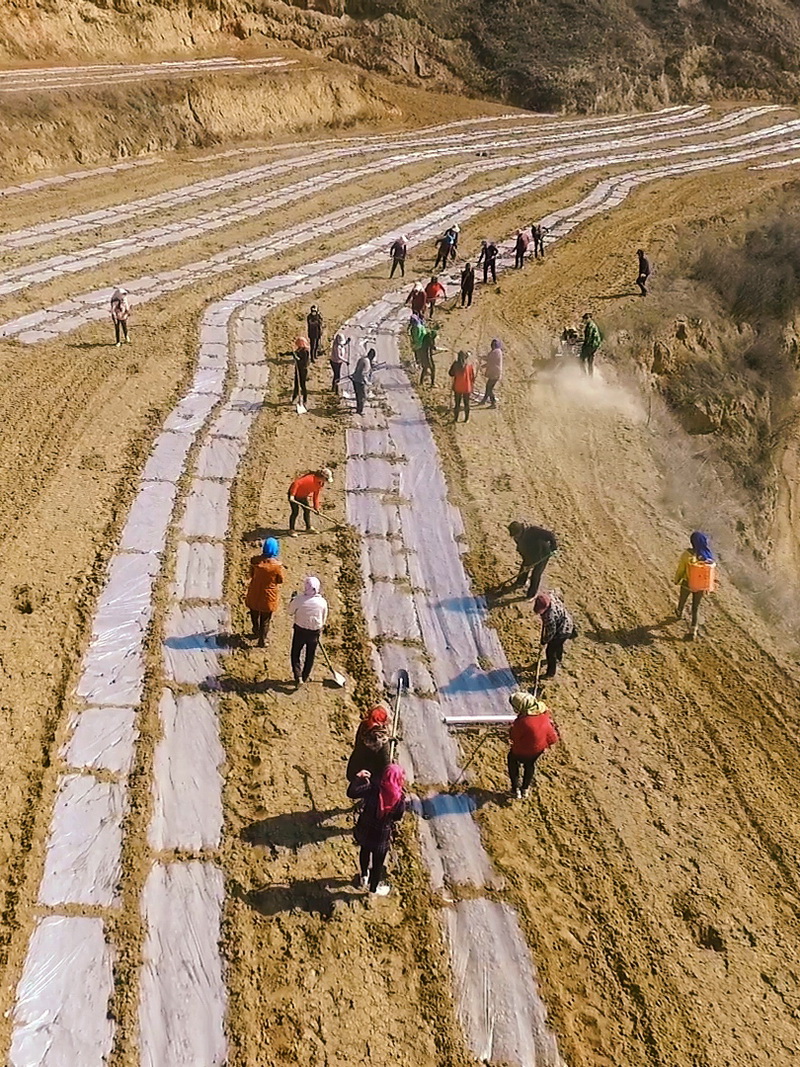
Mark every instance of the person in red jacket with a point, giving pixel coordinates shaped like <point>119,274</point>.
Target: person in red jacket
<point>434,292</point>
<point>417,299</point>
<point>305,492</point>
<point>531,734</point>
<point>463,374</point>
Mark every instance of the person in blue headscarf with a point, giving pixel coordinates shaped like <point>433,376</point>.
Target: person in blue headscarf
<point>263,593</point>
<point>698,552</point>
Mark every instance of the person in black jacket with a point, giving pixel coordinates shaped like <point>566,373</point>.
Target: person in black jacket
<point>467,284</point>
<point>371,748</point>
<point>315,327</point>
<point>384,805</point>
<point>488,257</point>
<point>535,545</point>
<point>644,271</point>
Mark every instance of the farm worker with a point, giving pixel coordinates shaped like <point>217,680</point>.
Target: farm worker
<point>530,736</point>
<point>306,492</point>
<point>398,252</point>
<point>557,628</point>
<point>120,312</point>
<point>454,230</point>
<point>384,803</point>
<point>417,299</point>
<point>488,257</point>
<point>535,545</point>
<point>444,249</point>
<point>434,292</point>
<point>644,271</point>
<point>371,748</point>
<point>315,327</point>
<point>427,353</point>
<point>361,377</point>
<point>467,284</point>
<point>302,358</point>
<point>699,552</point>
<point>520,248</point>
<point>263,595</point>
<point>493,368</point>
<point>537,234</point>
<point>463,374</point>
<point>592,339</point>
<point>337,357</point>
<point>309,612</point>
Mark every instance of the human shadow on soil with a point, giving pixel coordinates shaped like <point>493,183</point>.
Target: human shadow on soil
<point>261,533</point>
<point>613,296</point>
<point>315,896</point>
<point>295,828</point>
<point>646,634</point>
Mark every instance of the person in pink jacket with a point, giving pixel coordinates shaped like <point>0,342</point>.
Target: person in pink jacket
<point>493,368</point>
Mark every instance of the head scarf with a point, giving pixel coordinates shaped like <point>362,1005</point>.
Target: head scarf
<point>376,717</point>
<point>526,703</point>
<point>327,474</point>
<point>118,293</point>
<point>541,603</point>
<point>391,789</point>
<point>462,358</point>
<point>496,343</point>
<point>699,542</point>
<point>270,548</point>
<point>302,342</point>
<point>311,586</point>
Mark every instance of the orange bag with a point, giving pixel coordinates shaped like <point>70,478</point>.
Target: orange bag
<point>702,577</point>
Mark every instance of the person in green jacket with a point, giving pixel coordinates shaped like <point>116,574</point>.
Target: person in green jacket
<point>592,339</point>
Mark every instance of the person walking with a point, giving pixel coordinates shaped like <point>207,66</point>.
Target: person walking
<point>488,257</point>
<point>698,555</point>
<point>306,492</point>
<point>434,293</point>
<point>530,735</point>
<point>337,357</point>
<point>493,369</point>
<point>426,355</point>
<point>120,313</point>
<point>537,236</point>
<point>384,803</point>
<point>455,231</point>
<point>301,357</point>
<point>361,377</point>
<point>535,546</point>
<point>444,250</point>
<point>309,612</point>
<point>467,284</point>
<point>418,300</point>
<point>263,593</point>
<point>557,628</point>
<point>520,248</point>
<point>398,252</point>
<point>371,748</point>
<point>315,328</point>
<point>592,339</point>
<point>644,271</point>
<point>463,374</point>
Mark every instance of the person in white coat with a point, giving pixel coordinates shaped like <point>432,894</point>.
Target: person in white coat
<point>120,312</point>
<point>309,613</point>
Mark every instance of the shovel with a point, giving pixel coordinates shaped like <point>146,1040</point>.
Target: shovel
<point>402,686</point>
<point>300,407</point>
<point>339,679</point>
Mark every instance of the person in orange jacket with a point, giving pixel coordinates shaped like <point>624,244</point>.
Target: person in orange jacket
<point>263,593</point>
<point>305,492</point>
<point>463,374</point>
<point>434,292</point>
<point>530,735</point>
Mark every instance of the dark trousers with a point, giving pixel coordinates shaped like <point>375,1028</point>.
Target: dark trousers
<point>294,511</point>
<point>300,385</point>
<point>554,651</point>
<point>488,396</point>
<point>360,390</point>
<point>303,641</point>
<point>683,596</point>
<point>401,263</point>
<point>641,281</point>
<point>528,765</point>
<point>442,258</point>
<point>466,296</point>
<point>260,621</point>
<point>315,340</point>
<point>336,371</point>
<point>587,361</point>
<point>519,257</point>
<point>120,329</point>
<point>489,265</point>
<point>372,861</point>
<point>428,367</point>
<point>461,398</point>
<point>533,575</point>
<point>538,247</point>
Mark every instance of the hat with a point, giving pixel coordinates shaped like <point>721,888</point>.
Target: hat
<point>417,286</point>
<point>541,603</point>
<point>586,316</point>
<point>327,474</point>
<point>526,703</point>
<point>456,228</point>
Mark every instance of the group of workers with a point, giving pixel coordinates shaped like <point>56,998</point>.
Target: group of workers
<point>307,350</point>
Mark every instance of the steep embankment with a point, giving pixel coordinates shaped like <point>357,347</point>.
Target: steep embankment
<point>553,54</point>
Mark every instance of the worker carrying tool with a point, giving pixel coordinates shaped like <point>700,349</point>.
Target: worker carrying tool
<point>535,545</point>
<point>306,492</point>
<point>530,735</point>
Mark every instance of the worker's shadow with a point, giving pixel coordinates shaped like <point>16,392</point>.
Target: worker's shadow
<point>297,828</point>
<point>636,636</point>
<point>615,296</point>
<point>261,533</point>
<point>315,896</point>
